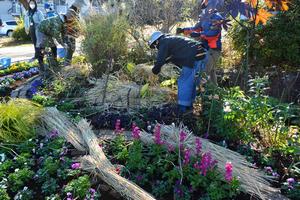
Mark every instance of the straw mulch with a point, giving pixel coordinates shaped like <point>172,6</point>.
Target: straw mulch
<point>125,94</point>
<point>83,138</point>
<point>143,74</point>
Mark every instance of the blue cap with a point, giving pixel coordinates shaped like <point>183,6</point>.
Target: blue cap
<point>48,6</point>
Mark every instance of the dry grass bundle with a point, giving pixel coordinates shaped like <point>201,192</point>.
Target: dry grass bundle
<point>77,70</point>
<point>83,138</point>
<point>52,120</point>
<point>252,181</point>
<point>143,74</point>
<point>122,94</point>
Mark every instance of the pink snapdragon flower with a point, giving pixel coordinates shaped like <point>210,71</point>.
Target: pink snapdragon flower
<point>198,146</point>
<point>118,129</point>
<point>136,133</point>
<point>187,156</point>
<point>75,166</point>
<point>228,171</point>
<point>157,135</point>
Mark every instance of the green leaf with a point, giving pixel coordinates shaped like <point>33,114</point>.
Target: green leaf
<point>145,90</point>
<point>167,83</point>
<point>130,67</point>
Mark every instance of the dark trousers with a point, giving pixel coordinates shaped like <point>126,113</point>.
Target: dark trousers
<point>41,54</point>
<point>33,38</point>
<point>71,46</point>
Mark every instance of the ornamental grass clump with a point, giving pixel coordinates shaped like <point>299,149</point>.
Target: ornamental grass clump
<point>18,118</point>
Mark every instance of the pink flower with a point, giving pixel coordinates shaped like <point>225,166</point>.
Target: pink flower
<point>136,133</point>
<point>118,170</point>
<point>133,126</point>
<point>228,171</point>
<point>171,148</point>
<point>157,135</point>
<point>291,181</point>
<point>182,136</point>
<point>187,156</point>
<point>198,146</point>
<point>118,129</point>
<point>75,166</point>
<point>206,163</point>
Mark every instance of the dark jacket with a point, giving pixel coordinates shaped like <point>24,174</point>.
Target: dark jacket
<point>178,50</point>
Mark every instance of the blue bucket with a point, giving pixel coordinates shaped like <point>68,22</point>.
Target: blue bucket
<point>61,52</point>
<point>5,62</point>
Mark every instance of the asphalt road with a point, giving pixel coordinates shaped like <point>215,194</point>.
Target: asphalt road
<point>18,53</point>
<point>23,52</point>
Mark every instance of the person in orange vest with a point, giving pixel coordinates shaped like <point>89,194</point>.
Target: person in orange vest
<point>208,30</point>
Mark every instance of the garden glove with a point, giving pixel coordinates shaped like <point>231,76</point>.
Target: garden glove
<point>195,34</point>
<point>179,30</point>
<point>155,70</point>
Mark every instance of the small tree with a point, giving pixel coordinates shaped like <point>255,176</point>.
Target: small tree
<point>105,42</point>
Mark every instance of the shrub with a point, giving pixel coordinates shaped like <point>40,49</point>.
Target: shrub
<point>276,43</point>
<point>19,33</point>
<point>17,120</point>
<point>105,41</point>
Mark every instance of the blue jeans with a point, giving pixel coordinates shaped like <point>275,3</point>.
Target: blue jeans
<point>187,83</point>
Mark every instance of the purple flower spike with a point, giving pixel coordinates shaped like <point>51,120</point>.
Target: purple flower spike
<point>75,166</point>
<point>198,146</point>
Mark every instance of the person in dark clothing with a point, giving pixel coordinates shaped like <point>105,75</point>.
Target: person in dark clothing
<point>187,54</point>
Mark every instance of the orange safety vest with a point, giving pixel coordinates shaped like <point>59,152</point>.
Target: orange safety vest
<point>212,40</point>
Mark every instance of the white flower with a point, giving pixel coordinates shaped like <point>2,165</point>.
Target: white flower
<point>17,169</point>
<point>2,157</point>
<point>25,188</point>
<point>227,109</point>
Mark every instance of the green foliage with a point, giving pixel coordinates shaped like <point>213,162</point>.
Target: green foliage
<point>19,33</point>
<point>50,186</point>
<point>79,60</point>
<point>19,178</point>
<point>78,187</point>
<point>276,43</point>
<point>50,165</point>
<point>292,191</point>
<point>24,194</point>
<point>105,40</point>
<point>18,118</point>
<point>119,148</point>
<point>3,194</point>
<point>5,168</point>
<point>43,100</point>
<point>41,168</point>
<point>66,106</point>
<point>237,116</point>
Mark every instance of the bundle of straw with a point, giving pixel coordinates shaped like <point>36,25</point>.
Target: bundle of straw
<point>83,138</point>
<point>53,120</point>
<point>122,94</point>
<point>252,181</point>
